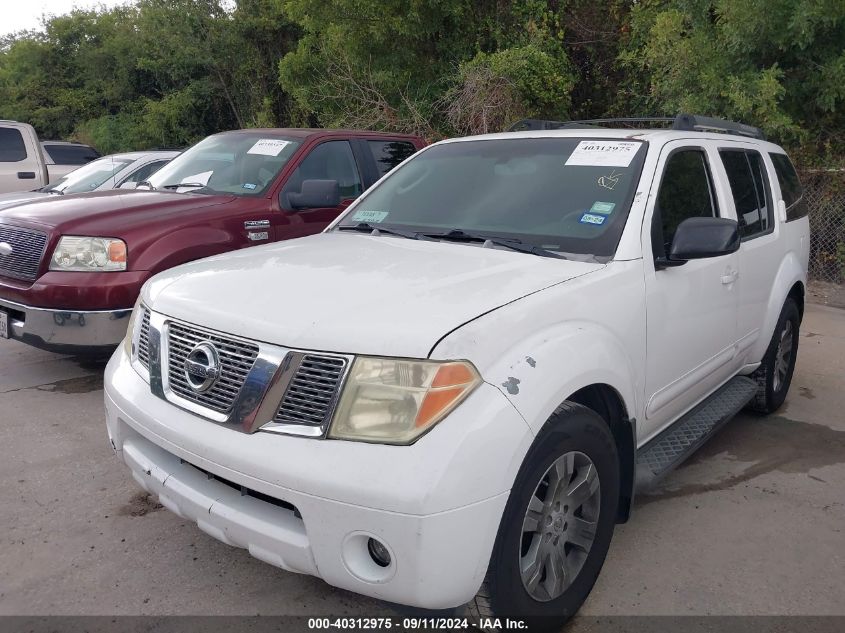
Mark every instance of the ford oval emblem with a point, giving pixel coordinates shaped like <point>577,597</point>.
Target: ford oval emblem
<point>202,367</point>
<point>5,249</point>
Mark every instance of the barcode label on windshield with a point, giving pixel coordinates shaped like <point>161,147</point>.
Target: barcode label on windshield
<point>603,153</point>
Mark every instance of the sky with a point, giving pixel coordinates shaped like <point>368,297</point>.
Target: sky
<point>16,15</point>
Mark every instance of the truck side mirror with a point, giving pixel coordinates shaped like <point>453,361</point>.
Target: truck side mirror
<point>698,238</point>
<point>316,194</point>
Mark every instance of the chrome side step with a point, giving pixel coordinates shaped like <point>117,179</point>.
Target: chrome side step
<point>666,451</point>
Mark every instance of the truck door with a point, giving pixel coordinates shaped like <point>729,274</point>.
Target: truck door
<point>330,160</point>
<point>21,165</point>
<point>692,308</point>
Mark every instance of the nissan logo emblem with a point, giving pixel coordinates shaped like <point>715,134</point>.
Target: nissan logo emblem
<point>202,367</point>
<point>5,248</point>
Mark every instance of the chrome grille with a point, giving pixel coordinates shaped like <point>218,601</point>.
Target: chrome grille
<point>144,339</point>
<point>27,251</point>
<point>312,392</point>
<point>236,359</point>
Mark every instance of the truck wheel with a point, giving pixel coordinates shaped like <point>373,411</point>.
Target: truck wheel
<point>775,372</point>
<point>557,524</point>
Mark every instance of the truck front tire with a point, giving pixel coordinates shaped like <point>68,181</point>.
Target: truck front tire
<point>557,525</point>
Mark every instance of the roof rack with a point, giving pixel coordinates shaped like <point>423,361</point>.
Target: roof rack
<point>685,122</point>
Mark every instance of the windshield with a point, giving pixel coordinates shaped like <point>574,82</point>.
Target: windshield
<point>90,176</point>
<point>565,195</point>
<point>243,164</point>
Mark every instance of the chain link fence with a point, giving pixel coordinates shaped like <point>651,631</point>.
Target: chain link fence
<point>824,192</point>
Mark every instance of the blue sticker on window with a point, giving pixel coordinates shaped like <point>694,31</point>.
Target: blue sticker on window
<point>591,218</point>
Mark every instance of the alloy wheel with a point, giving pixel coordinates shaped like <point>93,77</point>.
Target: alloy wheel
<point>559,526</point>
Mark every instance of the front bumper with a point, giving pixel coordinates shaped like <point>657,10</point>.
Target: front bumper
<point>310,505</point>
<point>66,331</point>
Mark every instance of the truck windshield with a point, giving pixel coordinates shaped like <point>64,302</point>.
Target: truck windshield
<point>564,195</point>
<point>242,164</point>
<point>90,176</point>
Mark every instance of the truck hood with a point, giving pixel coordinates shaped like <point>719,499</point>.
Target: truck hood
<point>106,213</point>
<point>12,199</point>
<point>353,293</point>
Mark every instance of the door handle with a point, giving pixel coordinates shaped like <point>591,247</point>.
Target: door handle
<point>730,276</point>
<point>26,175</point>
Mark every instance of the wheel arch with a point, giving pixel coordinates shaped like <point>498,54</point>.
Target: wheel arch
<point>606,401</point>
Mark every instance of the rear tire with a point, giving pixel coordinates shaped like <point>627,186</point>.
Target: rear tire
<point>557,525</point>
<point>775,372</point>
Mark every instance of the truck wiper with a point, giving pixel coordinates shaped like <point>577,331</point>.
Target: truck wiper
<point>179,185</point>
<point>366,227</point>
<point>58,192</point>
<point>513,244</point>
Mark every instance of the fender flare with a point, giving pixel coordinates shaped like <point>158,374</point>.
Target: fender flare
<point>789,273</point>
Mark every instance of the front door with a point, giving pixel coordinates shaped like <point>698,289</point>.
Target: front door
<point>330,160</point>
<point>692,308</point>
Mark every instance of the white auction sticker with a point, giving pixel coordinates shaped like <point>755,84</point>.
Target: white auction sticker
<point>604,153</point>
<point>268,147</point>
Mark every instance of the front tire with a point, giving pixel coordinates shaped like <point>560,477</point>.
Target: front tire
<point>775,372</point>
<point>557,525</point>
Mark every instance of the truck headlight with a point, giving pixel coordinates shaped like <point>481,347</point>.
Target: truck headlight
<point>98,254</point>
<point>395,401</point>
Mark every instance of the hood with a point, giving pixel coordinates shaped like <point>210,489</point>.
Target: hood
<point>107,212</point>
<point>353,293</point>
<point>19,197</point>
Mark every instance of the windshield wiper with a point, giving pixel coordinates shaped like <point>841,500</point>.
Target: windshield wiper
<point>366,227</point>
<point>58,192</point>
<point>179,185</point>
<point>513,244</point>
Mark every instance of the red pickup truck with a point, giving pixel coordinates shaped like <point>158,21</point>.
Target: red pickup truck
<point>71,267</point>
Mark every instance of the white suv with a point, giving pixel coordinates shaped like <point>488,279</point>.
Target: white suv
<point>452,394</point>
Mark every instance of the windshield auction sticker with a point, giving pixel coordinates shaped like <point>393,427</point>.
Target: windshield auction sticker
<point>268,147</point>
<point>369,216</point>
<point>603,153</point>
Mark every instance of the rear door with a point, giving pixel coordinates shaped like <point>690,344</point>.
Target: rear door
<point>692,308</point>
<point>21,166</point>
<point>332,159</point>
<point>760,253</point>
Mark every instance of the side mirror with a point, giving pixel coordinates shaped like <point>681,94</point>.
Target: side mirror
<point>316,194</point>
<point>699,238</point>
<point>128,185</point>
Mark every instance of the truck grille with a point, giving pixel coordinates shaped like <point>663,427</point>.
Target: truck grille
<point>311,395</point>
<point>27,251</point>
<point>144,339</point>
<point>236,359</point>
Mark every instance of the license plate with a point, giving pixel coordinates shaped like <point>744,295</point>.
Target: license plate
<point>4,325</point>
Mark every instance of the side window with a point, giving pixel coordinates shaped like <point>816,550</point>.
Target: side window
<point>790,187</point>
<point>142,174</point>
<point>686,191</point>
<point>749,187</point>
<point>12,147</point>
<point>70,154</point>
<point>388,154</point>
<point>332,160</point>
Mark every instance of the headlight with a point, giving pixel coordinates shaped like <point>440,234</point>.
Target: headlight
<point>89,253</point>
<point>130,330</point>
<point>395,401</point>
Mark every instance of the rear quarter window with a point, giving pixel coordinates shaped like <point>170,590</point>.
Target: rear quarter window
<point>70,154</point>
<point>790,187</point>
<point>388,154</point>
<point>12,147</point>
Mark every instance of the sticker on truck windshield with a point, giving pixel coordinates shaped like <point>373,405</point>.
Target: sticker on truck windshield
<point>268,147</point>
<point>591,218</point>
<point>369,216</point>
<point>605,208</point>
<point>603,153</point>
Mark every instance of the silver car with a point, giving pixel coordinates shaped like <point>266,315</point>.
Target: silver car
<point>116,171</point>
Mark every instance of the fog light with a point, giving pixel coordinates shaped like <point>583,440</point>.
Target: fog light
<point>378,553</point>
